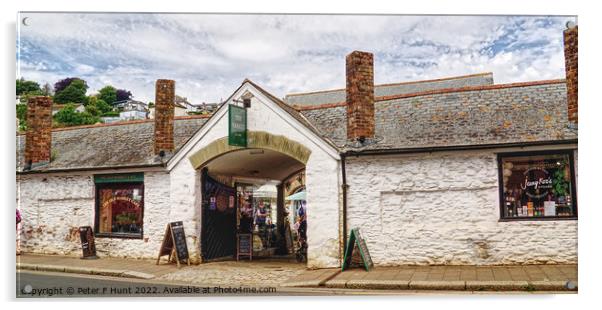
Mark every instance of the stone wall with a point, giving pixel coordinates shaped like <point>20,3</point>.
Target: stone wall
<point>54,206</point>
<point>443,208</point>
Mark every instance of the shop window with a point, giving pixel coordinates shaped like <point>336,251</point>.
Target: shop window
<point>119,207</point>
<point>537,185</point>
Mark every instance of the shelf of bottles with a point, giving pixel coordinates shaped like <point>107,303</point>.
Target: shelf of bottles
<point>519,205</point>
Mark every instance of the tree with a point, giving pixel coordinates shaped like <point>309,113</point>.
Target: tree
<point>68,116</point>
<point>97,106</point>
<point>103,106</point>
<point>74,93</point>
<point>93,110</point>
<point>108,94</point>
<point>123,94</point>
<point>24,98</point>
<point>24,86</point>
<point>47,90</point>
<point>22,116</point>
<point>64,83</point>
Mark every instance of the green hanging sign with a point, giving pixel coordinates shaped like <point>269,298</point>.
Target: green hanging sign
<point>119,178</point>
<point>355,239</point>
<point>237,126</point>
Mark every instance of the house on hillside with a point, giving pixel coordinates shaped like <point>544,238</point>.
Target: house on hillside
<point>131,110</point>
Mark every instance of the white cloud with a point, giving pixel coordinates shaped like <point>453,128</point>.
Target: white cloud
<point>210,55</point>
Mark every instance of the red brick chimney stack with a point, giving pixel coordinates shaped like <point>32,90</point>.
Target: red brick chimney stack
<point>360,95</point>
<point>38,138</point>
<point>570,60</point>
<point>165,93</point>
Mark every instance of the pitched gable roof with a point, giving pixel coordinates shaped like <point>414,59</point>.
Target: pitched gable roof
<point>116,145</point>
<point>465,116</point>
<point>338,95</point>
<point>481,115</point>
<point>294,113</point>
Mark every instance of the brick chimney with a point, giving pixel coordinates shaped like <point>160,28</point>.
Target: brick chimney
<point>164,115</point>
<point>570,65</point>
<point>360,95</point>
<point>38,138</point>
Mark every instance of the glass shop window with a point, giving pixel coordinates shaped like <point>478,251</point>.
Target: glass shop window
<point>119,209</point>
<point>537,185</point>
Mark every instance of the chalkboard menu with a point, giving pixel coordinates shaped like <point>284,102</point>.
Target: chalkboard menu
<point>174,243</point>
<point>356,240</point>
<point>86,236</point>
<point>177,229</point>
<point>244,246</point>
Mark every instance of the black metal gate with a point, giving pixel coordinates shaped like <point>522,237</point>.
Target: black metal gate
<point>218,230</point>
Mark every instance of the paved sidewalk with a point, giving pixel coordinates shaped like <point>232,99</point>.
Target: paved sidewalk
<point>282,273</point>
<point>470,278</point>
<point>260,272</point>
<point>131,268</point>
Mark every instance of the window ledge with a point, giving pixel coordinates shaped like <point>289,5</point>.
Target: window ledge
<point>536,219</point>
<point>118,236</point>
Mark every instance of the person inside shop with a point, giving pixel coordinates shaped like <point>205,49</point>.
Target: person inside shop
<point>261,216</point>
<point>246,218</point>
<point>301,217</point>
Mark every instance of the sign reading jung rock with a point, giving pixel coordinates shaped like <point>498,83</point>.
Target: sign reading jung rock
<point>237,126</point>
<point>537,182</point>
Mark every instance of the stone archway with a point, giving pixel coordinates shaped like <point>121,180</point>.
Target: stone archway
<point>267,157</point>
<point>255,139</point>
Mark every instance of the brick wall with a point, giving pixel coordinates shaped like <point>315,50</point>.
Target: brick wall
<point>39,134</point>
<point>164,115</point>
<point>360,95</point>
<point>570,58</point>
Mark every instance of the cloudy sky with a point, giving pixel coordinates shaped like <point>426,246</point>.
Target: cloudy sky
<point>210,55</point>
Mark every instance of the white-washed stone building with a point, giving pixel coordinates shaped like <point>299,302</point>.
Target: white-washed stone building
<point>450,171</point>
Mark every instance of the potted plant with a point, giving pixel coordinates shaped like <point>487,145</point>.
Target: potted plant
<point>560,186</point>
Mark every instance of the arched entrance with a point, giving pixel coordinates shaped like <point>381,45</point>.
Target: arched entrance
<point>243,192</point>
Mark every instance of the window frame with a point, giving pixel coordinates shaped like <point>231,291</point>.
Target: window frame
<point>503,155</point>
<point>115,185</point>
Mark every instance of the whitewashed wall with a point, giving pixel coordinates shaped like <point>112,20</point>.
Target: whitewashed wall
<point>54,206</point>
<point>185,205</point>
<point>322,177</point>
<point>444,209</point>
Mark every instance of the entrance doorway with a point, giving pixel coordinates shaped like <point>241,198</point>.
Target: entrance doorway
<point>218,219</point>
<point>243,195</point>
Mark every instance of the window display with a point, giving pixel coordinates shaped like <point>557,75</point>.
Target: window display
<point>537,185</point>
<point>119,208</point>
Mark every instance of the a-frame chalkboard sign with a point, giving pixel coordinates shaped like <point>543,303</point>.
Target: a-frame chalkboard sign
<point>355,239</point>
<point>174,244</point>
<point>86,235</point>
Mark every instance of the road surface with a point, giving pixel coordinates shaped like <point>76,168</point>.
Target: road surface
<point>36,284</point>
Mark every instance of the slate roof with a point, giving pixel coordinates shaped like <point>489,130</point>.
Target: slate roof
<point>338,95</point>
<point>294,113</point>
<point>450,117</point>
<point>478,115</point>
<point>109,146</point>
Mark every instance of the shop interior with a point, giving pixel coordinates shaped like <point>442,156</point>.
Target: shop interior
<point>256,195</point>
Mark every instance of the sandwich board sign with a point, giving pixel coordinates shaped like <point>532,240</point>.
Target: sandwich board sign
<point>357,242</point>
<point>86,235</point>
<point>244,246</point>
<point>174,244</point>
